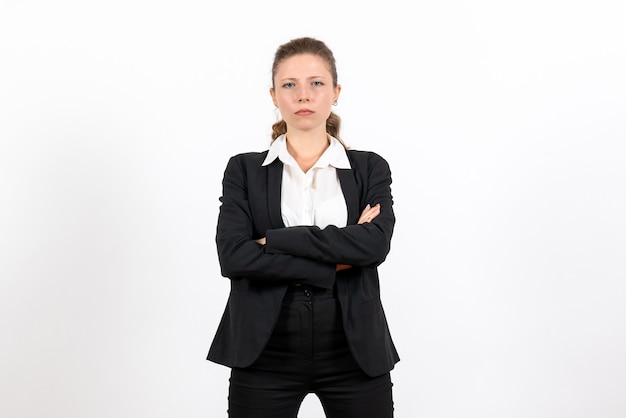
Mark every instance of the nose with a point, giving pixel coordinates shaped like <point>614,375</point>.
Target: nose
<point>303,95</point>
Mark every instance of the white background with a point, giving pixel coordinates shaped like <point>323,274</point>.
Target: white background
<point>503,122</point>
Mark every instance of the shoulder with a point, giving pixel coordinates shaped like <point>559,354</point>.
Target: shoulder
<point>366,160</point>
<point>247,160</point>
<point>249,157</point>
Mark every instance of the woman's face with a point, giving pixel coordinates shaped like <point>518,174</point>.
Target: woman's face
<point>303,92</point>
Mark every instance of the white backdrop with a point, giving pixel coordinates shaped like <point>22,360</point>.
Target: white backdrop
<point>503,122</point>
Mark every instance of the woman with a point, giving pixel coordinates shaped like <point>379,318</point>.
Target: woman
<point>301,230</point>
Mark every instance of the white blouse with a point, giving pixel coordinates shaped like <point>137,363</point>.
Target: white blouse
<point>314,197</point>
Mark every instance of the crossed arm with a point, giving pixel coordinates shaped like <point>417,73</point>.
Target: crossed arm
<point>368,214</point>
<point>307,254</point>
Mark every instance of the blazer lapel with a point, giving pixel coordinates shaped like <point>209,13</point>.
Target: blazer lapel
<point>350,193</point>
<point>274,181</point>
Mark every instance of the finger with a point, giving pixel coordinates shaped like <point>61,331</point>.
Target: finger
<point>371,209</point>
<point>375,211</point>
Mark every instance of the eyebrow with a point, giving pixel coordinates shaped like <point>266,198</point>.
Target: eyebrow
<point>307,78</point>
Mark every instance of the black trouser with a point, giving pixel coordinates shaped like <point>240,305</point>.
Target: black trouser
<point>308,353</point>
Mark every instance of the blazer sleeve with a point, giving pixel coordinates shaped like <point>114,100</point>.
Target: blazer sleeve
<point>364,245</point>
<point>242,257</point>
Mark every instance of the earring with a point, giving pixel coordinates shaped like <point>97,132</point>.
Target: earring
<point>335,103</point>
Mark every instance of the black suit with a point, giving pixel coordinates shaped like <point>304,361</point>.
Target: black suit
<point>260,275</point>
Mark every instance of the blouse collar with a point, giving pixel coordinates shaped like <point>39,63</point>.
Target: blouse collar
<point>334,156</point>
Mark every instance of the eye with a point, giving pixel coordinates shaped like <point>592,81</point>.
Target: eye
<point>317,83</point>
<point>288,85</point>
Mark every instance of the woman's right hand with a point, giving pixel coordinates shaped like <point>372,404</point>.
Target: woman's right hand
<point>368,214</point>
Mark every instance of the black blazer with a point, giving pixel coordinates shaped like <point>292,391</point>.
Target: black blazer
<point>260,275</point>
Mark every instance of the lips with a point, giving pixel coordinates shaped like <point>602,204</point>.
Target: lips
<point>304,112</point>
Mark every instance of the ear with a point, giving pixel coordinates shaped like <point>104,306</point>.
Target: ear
<point>337,93</point>
<point>273,94</point>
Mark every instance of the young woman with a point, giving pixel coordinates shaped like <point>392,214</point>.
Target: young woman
<point>301,230</point>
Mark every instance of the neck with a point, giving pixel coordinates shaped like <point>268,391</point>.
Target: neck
<point>306,148</point>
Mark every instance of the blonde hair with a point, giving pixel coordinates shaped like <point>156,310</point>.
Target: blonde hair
<point>311,46</point>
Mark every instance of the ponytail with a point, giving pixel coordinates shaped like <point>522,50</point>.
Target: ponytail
<point>333,124</point>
